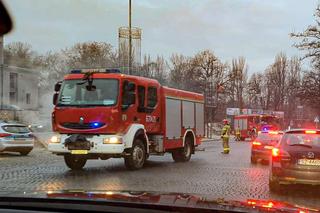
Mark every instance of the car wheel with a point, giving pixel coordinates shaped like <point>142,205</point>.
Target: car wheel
<point>24,153</point>
<point>274,185</point>
<point>183,154</point>
<point>253,160</point>
<point>137,156</point>
<point>75,162</point>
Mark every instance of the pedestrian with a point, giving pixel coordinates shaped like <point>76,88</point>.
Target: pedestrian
<point>225,134</point>
<point>238,134</point>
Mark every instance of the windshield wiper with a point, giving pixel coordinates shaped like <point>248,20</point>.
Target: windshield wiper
<point>299,144</point>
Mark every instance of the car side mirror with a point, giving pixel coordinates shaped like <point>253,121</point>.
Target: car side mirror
<point>57,86</point>
<point>55,98</point>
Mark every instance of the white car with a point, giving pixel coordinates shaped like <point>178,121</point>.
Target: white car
<point>15,137</point>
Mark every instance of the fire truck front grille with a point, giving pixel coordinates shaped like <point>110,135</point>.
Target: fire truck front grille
<point>82,126</point>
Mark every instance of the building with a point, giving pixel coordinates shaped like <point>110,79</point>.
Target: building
<point>20,88</point>
<point>20,94</point>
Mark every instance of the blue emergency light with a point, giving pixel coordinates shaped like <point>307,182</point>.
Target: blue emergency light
<point>96,124</point>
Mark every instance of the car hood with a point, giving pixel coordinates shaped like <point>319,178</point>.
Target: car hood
<point>183,200</point>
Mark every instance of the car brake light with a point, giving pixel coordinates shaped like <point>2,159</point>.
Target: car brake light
<point>256,143</point>
<point>310,132</point>
<point>3,135</point>
<point>278,154</point>
<point>275,152</point>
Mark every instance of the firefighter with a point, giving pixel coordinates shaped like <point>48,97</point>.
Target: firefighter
<point>238,134</point>
<point>225,134</point>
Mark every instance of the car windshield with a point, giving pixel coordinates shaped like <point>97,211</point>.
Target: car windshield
<point>163,96</point>
<point>304,139</point>
<point>75,92</point>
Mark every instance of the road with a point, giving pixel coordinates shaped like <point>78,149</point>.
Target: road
<point>209,172</point>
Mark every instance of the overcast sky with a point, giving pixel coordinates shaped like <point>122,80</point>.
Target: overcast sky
<point>256,29</point>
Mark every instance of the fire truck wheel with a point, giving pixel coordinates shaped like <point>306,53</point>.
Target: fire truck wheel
<point>183,154</point>
<point>74,162</point>
<point>137,156</point>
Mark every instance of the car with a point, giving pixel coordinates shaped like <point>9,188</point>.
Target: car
<point>296,159</point>
<point>263,144</point>
<point>15,137</point>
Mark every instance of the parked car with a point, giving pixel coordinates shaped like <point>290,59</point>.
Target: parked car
<point>15,137</point>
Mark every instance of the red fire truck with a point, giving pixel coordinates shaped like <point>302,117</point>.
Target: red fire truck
<point>261,122</point>
<point>102,114</point>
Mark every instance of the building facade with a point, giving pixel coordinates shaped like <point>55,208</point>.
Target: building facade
<point>20,88</point>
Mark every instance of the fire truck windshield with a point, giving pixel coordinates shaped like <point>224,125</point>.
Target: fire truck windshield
<point>75,93</point>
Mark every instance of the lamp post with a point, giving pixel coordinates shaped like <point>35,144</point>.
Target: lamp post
<point>1,72</point>
<point>130,40</point>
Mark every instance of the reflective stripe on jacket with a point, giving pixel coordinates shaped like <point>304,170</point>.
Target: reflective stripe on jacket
<point>226,131</point>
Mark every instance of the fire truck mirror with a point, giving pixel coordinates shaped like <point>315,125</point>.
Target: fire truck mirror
<point>57,86</point>
<point>91,87</point>
<point>55,98</point>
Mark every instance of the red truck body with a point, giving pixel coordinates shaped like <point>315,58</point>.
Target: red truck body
<point>167,116</point>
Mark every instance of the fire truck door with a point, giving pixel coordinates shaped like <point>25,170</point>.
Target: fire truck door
<point>128,104</point>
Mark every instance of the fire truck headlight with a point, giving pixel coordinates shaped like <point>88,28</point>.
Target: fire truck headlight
<point>113,140</point>
<point>55,139</point>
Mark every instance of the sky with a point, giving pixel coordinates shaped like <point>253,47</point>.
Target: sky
<point>255,29</point>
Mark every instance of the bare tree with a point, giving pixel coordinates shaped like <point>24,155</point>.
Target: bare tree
<point>90,54</point>
<point>19,54</point>
<point>237,79</point>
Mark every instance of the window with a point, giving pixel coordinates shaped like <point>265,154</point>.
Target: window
<point>128,93</point>
<point>141,97</point>
<point>74,92</point>
<point>13,88</point>
<point>152,96</point>
<point>28,98</point>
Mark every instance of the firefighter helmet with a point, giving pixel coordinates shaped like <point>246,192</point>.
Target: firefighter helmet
<point>225,121</point>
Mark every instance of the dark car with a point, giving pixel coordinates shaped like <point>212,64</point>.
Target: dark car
<point>263,144</point>
<point>296,159</point>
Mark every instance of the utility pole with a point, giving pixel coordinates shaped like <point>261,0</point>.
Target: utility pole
<point>130,40</point>
<point>1,71</point>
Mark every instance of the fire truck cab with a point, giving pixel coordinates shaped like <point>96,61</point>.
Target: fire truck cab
<point>101,114</point>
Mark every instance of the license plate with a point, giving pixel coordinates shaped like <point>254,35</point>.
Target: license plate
<point>309,162</point>
<point>79,152</point>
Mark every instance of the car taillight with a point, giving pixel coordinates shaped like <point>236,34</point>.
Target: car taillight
<point>3,135</point>
<point>278,154</point>
<point>256,143</point>
<point>310,132</point>
<point>275,152</point>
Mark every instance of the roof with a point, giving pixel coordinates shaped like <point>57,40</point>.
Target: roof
<point>110,75</point>
<point>19,69</point>
<point>301,129</point>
